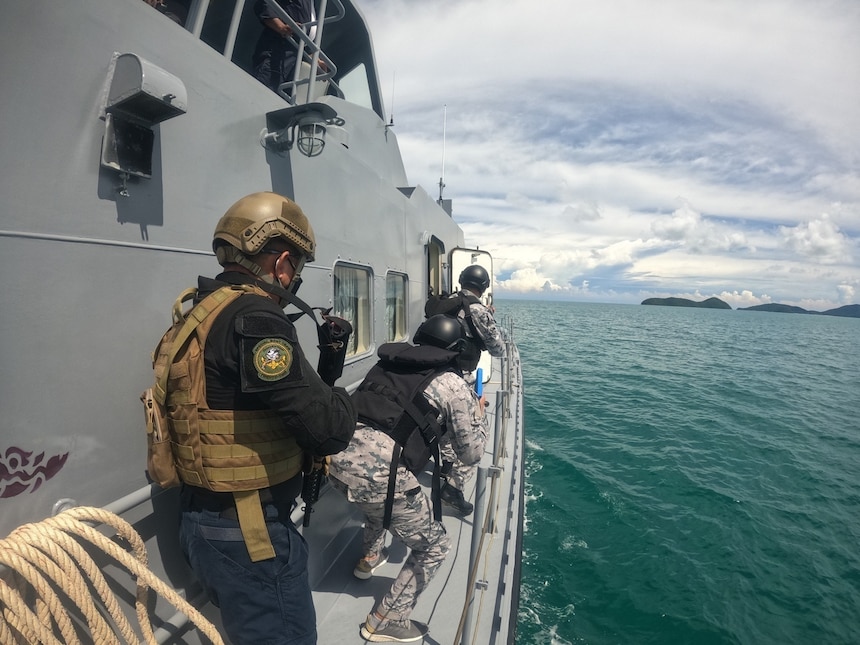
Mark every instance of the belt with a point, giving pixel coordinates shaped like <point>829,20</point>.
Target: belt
<point>200,499</point>
<point>230,512</point>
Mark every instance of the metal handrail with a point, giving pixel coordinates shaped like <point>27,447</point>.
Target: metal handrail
<point>287,89</point>
<point>488,525</point>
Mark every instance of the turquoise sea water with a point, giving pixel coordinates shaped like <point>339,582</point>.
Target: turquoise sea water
<point>692,475</point>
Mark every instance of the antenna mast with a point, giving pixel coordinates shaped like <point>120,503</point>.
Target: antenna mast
<point>444,127</point>
<point>391,115</point>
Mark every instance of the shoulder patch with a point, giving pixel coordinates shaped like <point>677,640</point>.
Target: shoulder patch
<point>272,359</point>
<point>265,324</point>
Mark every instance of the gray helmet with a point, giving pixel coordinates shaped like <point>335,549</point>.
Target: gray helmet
<point>475,276</point>
<point>441,331</point>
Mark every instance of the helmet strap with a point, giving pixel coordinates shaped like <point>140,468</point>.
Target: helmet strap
<point>229,254</point>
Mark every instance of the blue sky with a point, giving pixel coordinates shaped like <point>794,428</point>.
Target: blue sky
<point>614,150</point>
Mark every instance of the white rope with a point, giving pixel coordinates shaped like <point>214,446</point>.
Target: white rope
<point>56,587</point>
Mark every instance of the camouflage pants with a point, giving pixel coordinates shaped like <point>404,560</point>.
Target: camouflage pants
<point>412,522</point>
<point>460,473</point>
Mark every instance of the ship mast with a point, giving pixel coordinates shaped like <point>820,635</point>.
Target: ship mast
<point>442,174</point>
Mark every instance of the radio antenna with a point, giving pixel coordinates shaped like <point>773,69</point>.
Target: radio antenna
<point>391,114</point>
<point>444,127</point>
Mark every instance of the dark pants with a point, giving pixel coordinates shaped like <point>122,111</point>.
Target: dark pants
<point>262,603</point>
<point>275,66</point>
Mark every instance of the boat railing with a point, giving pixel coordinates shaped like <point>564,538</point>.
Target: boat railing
<point>310,52</point>
<point>487,485</point>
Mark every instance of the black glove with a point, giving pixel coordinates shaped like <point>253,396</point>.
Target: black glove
<point>334,339</point>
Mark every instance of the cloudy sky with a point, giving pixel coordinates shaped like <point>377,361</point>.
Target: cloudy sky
<point>613,150</point>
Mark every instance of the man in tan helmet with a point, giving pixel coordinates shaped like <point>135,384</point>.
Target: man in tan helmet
<point>244,408</point>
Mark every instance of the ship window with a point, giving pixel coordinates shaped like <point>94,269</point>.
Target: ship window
<point>248,32</point>
<point>216,26</point>
<point>437,279</point>
<point>176,10</point>
<point>395,307</point>
<point>246,39</point>
<point>352,298</point>
<point>355,87</point>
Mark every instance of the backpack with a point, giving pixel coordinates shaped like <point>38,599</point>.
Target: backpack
<point>452,305</point>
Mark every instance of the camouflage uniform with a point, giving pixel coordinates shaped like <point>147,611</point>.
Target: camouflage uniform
<point>486,327</point>
<point>459,474</point>
<point>361,473</point>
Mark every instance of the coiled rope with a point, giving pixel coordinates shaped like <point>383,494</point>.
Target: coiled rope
<point>52,573</point>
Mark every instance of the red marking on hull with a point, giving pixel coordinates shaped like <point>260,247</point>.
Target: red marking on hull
<point>20,472</point>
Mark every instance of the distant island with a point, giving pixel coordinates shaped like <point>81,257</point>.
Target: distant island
<point>710,303</point>
<point>778,308</point>
<point>846,311</point>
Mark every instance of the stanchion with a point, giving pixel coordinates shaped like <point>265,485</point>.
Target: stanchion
<point>474,551</point>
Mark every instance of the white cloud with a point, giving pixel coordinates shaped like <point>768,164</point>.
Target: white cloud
<point>527,280</point>
<point>668,146</point>
<point>744,299</point>
<point>820,239</point>
<point>679,227</point>
<point>700,236</point>
<point>846,293</point>
<point>582,212</point>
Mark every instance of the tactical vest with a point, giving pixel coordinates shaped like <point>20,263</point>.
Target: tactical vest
<point>451,306</point>
<point>391,399</point>
<point>220,450</point>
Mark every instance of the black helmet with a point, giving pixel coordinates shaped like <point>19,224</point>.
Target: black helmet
<point>476,276</point>
<point>441,331</point>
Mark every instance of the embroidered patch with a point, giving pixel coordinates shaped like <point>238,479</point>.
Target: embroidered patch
<point>272,359</point>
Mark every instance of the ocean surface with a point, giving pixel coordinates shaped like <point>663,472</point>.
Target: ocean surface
<point>692,475</point>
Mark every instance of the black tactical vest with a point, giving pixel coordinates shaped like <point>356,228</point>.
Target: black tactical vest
<point>391,399</point>
<point>451,306</point>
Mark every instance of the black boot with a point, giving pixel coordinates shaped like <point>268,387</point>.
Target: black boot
<point>454,497</point>
<point>446,468</point>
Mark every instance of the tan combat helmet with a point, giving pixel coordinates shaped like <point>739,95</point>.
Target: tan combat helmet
<point>251,222</point>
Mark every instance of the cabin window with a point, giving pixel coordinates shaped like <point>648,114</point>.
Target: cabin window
<point>395,307</point>
<point>246,38</point>
<point>216,25</point>
<point>231,28</point>
<point>176,10</point>
<point>355,86</point>
<point>352,298</point>
<point>248,29</point>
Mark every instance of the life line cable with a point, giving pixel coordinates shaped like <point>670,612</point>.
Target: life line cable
<point>52,571</point>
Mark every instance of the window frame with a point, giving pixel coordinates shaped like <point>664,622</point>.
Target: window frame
<point>361,316</point>
<point>400,306</point>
